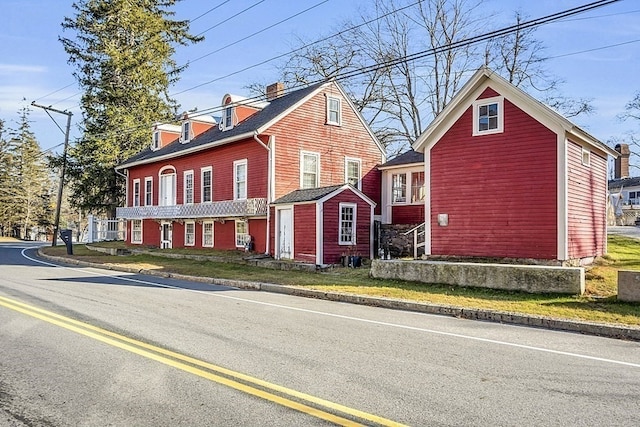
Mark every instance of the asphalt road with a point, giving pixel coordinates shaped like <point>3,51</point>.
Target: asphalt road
<point>88,347</point>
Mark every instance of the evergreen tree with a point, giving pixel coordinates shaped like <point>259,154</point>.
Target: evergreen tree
<point>7,193</point>
<point>30,182</point>
<point>122,52</point>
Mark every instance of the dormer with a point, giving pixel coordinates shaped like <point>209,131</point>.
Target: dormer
<point>193,124</point>
<point>163,134</point>
<point>236,109</point>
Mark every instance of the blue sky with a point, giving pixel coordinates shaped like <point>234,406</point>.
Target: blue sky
<point>33,64</point>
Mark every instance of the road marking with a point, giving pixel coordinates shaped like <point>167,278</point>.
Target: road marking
<point>358,319</point>
<point>218,374</point>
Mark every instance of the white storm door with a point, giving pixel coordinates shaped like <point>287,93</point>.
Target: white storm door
<point>285,233</point>
<point>166,237</point>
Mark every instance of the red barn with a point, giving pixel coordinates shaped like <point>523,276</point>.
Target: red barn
<point>506,176</point>
<point>212,184</point>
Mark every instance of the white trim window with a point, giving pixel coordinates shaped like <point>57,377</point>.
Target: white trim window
<point>206,184</point>
<point>227,120</point>
<point>334,110</point>
<point>352,172</point>
<point>185,136</point>
<point>347,234</point>
<point>399,188</point>
<point>136,231</point>
<point>417,187</point>
<point>586,157</point>
<point>207,234</point>
<point>189,233</point>
<point>309,169</point>
<point>242,233</point>
<point>148,191</point>
<point>240,179</point>
<point>488,116</point>
<point>188,188</point>
<point>155,143</point>
<point>136,192</point>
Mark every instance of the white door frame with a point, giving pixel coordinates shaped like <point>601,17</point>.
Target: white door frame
<point>166,235</point>
<point>280,253</point>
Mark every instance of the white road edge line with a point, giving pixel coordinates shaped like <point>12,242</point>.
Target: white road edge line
<point>357,319</point>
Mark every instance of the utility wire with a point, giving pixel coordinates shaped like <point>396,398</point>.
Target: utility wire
<point>231,17</point>
<point>209,11</point>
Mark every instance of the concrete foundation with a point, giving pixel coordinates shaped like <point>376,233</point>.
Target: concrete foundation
<point>527,278</point>
<point>629,286</point>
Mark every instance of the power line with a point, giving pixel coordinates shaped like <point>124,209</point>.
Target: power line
<point>231,17</point>
<point>209,11</point>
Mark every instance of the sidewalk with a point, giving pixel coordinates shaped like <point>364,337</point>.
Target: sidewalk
<point>588,328</point>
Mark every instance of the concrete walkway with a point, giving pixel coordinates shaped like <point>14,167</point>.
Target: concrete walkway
<point>589,328</point>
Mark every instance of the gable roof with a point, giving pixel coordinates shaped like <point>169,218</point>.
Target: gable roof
<point>275,110</point>
<point>469,93</point>
<point>407,158</point>
<point>320,194</point>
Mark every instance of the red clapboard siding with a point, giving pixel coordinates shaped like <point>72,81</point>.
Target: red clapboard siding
<point>409,214</point>
<point>304,232</point>
<point>587,195</point>
<point>498,190</point>
<point>258,230</point>
<point>331,227</point>
<point>305,130</point>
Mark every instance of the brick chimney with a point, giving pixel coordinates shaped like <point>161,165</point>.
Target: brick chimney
<point>275,90</point>
<point>622,162</point>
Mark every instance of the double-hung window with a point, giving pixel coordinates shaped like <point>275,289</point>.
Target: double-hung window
<point>156,140</point>
<point>242,233</point>
<point>417,187</point>
<point>136,231</point>
<point>188,187</point>
<point>240,179</point>
<point>334,113</point>
<point>399,188</point>
<point>488,116</point>
<point>186,131</point>
<point>309,169</point>
<point>206,183</point>
<point>189,233</point>
<point>228,118</point>
<point>347,224</point>
<point>148,191</point>
<point>207,234</point>
<point>136,192</point>
<point>352,172</point>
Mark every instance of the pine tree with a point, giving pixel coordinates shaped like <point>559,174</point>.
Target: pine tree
<point>29,180</point>
<point>122,52</point>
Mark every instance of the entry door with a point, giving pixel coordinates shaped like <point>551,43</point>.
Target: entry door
<point>285,233</point>
<point>166,236</point>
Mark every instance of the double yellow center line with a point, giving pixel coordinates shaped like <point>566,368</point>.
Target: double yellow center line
<point>311,405</point>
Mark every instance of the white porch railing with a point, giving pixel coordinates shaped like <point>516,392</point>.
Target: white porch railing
<point>418,238</point>
<point>224,208</point>
<point>99,230</point>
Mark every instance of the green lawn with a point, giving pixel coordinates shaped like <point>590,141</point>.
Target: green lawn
<point>599,303</point>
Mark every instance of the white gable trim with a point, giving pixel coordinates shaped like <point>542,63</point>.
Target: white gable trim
<point>352,189</point>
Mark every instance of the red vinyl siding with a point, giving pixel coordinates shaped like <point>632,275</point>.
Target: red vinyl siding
<point>331,227</point>
<point>587,195</point>
<point>408,214</point>
<point>305,129</point>
<point>499,190</point>
<point>304,232</point>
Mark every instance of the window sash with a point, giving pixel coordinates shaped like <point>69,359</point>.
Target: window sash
<point>136,231</point>
<point>207,234</point>
<point>189,233</point>
<point>309,170</point>
<point>240,180</point>
<point>188,188</point>
<point>207,193</point>
<point>186,131</point>
<point>488,117</point>
<point>136,193</point>
<point>399,188</point>
<point>353,172</point>
<point>333,110</point>
<point>242,233</point>
<point>347,225</point>
<point>417,187</point>
<point>148,192</point>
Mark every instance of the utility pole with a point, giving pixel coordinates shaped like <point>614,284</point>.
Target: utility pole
<point>56,223</point>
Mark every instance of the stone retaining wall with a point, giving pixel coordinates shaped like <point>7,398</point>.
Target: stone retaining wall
<point>527,278</point>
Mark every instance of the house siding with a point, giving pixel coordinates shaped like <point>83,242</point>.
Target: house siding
<point>332,250</point>
<point>407,214</point>
<point>304,232</point>
<point>499,191</point>
<point>333,143</point>
<point>587,196</point>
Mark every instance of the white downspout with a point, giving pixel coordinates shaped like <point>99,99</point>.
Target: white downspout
<point>269,184</point>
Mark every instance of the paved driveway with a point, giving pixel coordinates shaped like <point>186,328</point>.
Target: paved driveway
<point>629,231</point>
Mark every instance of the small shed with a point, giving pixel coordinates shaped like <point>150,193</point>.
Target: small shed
<point>321,225</point>
<point>506,176</point>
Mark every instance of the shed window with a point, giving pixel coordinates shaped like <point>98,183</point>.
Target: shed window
<point>347,224</point>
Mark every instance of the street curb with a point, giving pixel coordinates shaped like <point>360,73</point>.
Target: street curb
<point>587,328</point>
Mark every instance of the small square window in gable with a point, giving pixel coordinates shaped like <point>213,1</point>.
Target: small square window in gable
<point>488,116</point>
